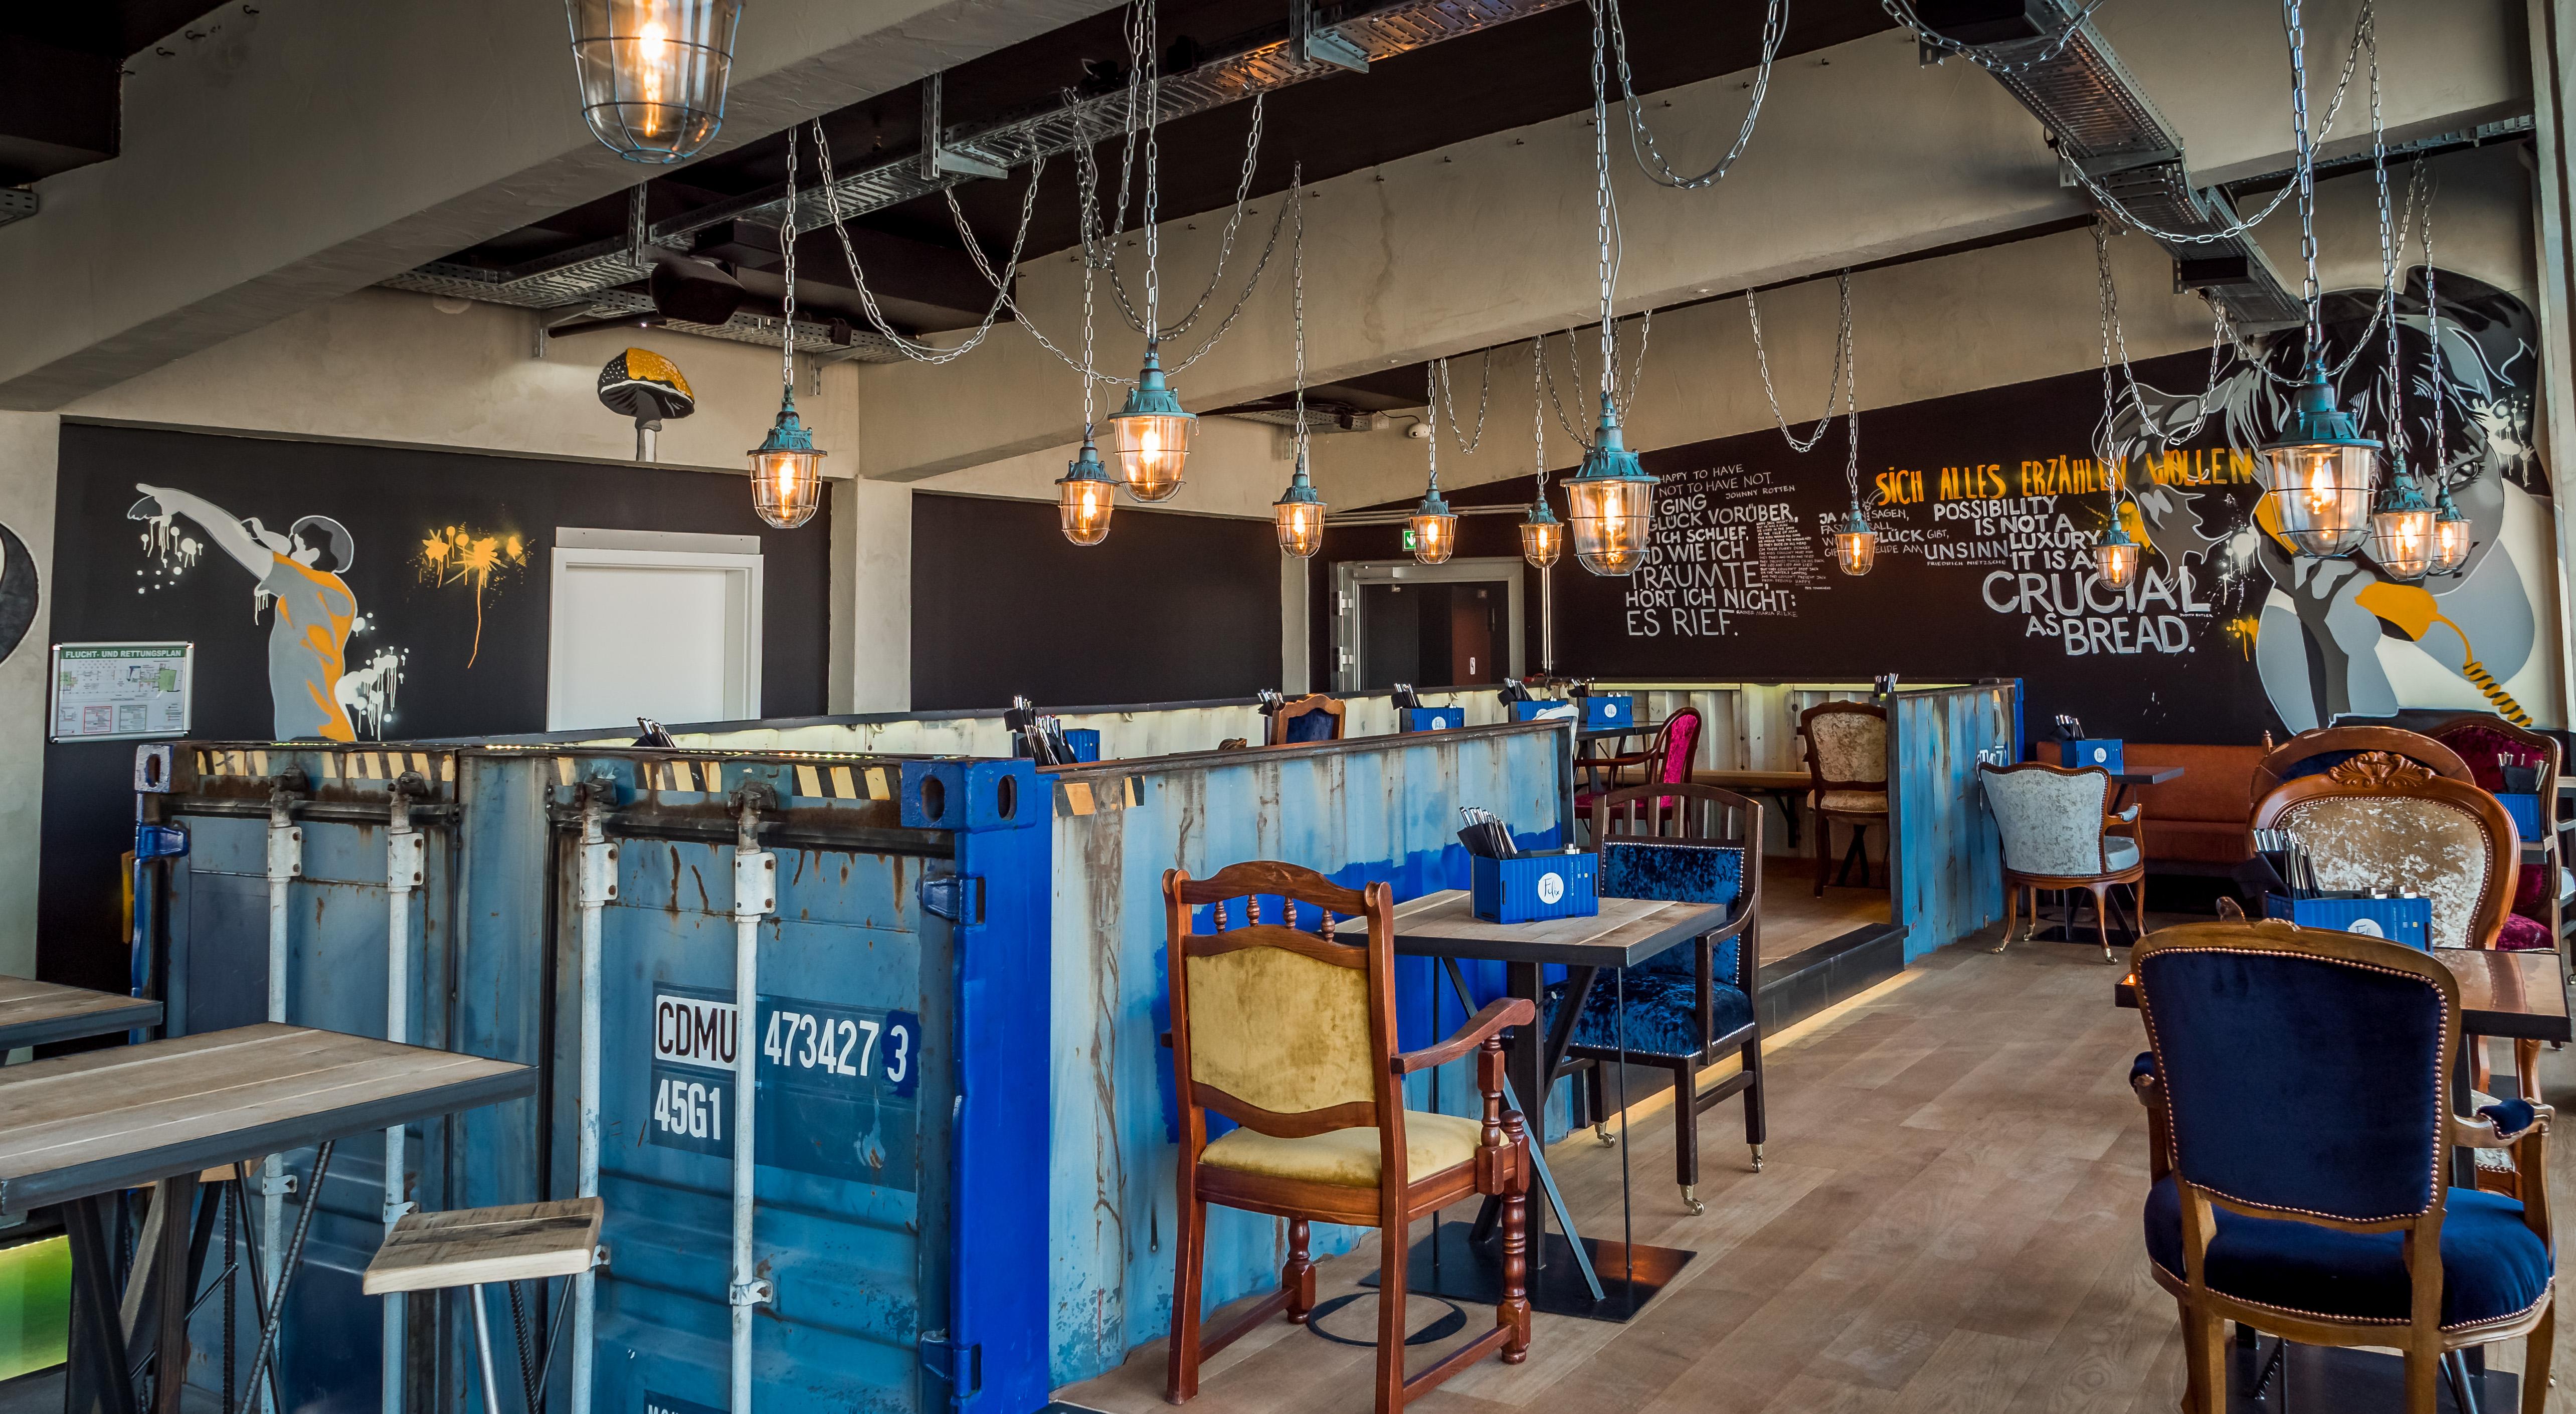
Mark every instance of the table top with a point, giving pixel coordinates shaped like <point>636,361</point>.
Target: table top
<point>33,1013</point>
<point>1624,933</point>
<point>2519,994</point>
<point>1611,733</point>
<point>1755,780</point>
<point>109,1119</point>
<point>2147,776</point>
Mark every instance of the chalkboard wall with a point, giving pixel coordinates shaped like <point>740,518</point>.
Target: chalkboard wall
<point>1169,608</point>
<point>450,641</point>
<point>1986,505</point>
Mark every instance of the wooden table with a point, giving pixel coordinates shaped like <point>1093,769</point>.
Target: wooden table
<point>86,1125</point>
<point>33,1013</point>
<point>2517,994</point>
<point>2149,776</point>
<point>1625,932</point>
<point>1785,788</point>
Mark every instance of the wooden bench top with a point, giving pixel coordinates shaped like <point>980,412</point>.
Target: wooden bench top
<point>472,1246</point>
<point>1754,780</point>
<point>33,1013</point>
<point>104,1120</point>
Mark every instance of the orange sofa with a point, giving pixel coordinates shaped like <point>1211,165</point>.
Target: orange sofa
<point>2195,823</point>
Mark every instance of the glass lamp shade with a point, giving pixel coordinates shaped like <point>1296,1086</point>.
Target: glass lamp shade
<point>1610,503</point>
<point>1542,536</point>
<point>1299,512</point>
<point>653,73</point>
<point>786,471</point>
<point>2321,471</point>
<point>1435,529</point>
<point>1149,437</point>
<point>2451,536</point>
<point>1855,545</point>
<point>1086,495</point>
<point>2116,555</point>
<point>2402,537</point>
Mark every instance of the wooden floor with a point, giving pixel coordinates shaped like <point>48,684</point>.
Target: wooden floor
<point>1948,1222</point>
<point>1794,919</point>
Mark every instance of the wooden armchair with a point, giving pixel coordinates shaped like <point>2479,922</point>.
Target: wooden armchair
<point>1847,778</point>
<point>1313,717</point>
<point>1688,1007</point>
<point>2057,834</point>
<point>2329,1222</point>
<point>1291,1035</point>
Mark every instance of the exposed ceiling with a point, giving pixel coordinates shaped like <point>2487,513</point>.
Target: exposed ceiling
<point>1502,77</point>
<point>59,73</point>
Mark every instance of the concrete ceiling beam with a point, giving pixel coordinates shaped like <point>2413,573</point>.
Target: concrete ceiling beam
<point>317,147</point>
<point>1863,155</point>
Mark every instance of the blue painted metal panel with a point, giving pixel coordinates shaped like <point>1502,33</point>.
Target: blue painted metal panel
<point>1948,870</point>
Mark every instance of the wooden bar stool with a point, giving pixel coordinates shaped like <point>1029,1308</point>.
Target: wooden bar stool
<point>474,1247</point>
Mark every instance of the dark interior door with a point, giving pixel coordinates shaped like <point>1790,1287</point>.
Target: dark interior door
<point>1432,635</point>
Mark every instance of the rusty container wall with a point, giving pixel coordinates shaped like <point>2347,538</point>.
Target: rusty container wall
<point>1382,807</point>
<point>1948,860</point>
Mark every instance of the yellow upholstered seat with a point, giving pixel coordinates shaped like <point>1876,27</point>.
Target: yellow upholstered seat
<point>1857,801</point>
<point>1348,1158</point>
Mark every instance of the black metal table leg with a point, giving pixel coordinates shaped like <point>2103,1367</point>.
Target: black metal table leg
<point>97,1377</point>
<point>174,1272</point>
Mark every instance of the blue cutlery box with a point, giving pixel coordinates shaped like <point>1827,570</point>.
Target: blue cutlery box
<point>1616,712</point>
<point>2400,920</point>
<point>1434,719</point>
<point>2105,754</point>
<point>1085,742</point>
<point>1544,709</point>
<point>1532,888</point>
<point>2524,807</point>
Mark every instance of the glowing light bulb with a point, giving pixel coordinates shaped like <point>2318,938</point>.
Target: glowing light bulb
<point>1152,449</point>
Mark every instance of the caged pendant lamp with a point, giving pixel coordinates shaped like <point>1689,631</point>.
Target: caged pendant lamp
<point>653,73</point>
<point>1542,535</point>
<point>2116,553</point>
<point>2403,530</point>
<point>1299,511</point>
<point>1086,494</point>
<point>2452,537</point>
<point>786,471</point>
<point>1149,436</point>
<point>1855,544</point>
<point>2321,468</point>
<point>1610,503</point>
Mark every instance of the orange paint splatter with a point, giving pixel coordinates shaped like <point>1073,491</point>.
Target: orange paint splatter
<point>457,556</point>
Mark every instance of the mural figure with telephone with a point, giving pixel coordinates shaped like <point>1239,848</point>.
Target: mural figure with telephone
<point>299,572</point>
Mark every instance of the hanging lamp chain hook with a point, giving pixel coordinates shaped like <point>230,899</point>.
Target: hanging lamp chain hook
<point>787,246</point>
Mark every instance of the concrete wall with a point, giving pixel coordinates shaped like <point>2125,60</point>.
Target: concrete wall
<point>28,444</point>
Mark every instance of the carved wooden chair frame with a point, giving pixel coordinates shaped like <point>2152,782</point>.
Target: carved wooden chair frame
<point>1501,1166</point>
<point>1312,702</point>
<point>2387,773</point>
<point>1858,820</point>
<point>2275,766</point>
<point>2423,1342</point>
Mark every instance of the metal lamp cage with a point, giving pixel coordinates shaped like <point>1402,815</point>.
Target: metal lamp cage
<point>1856,545</point>
<point>653,73</point>
<point>1086,496</point>
<point>786,471</point>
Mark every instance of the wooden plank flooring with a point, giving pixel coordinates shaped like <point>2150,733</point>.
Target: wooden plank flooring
<point>1948,1223</point>
<point>1794,919</point>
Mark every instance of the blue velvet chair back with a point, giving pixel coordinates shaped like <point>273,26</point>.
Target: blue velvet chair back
<point>1680,873</point>
<point>2303,1076</point>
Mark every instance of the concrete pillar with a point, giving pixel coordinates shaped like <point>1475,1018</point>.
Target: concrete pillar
<point>30,444</point>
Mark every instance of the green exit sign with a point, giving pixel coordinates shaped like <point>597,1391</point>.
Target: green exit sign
<point>1408,537</point>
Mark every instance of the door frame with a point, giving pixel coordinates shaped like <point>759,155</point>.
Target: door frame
<point>747,617</point>
<point>1350,575</point>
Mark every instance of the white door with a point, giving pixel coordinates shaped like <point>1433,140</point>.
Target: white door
<point>667,633</point>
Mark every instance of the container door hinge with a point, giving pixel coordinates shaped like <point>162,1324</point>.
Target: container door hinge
<point>959,898</point>
<point>757,1292</point>
<point>961,1365</point>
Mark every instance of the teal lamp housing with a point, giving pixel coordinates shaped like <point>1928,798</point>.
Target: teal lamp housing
<point>2321,470</point>
<point>1087,494</point>
<point>786,471</point>
<point>1149,435</point>
<point>1435,528</point>
<point>1610,503</point>
<point>1299,512</point>
<point>1542,535</point>
<point>2116,553</point>
<point>2452,538</point>
<point>1855,544</point>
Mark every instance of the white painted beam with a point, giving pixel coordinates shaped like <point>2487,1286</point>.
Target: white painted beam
<point>315,147</point>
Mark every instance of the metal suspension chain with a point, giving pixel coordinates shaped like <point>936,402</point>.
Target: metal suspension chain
<point>1903,13</point>
<point>1538,416</point>
<point>1090,377</point>
<point>1574,377</point>
<point>2364,33</point>
<point>2106,444</point>
<point>1484,394</point>
<point>2305,178</point>
<point>1851,400</point>
<point>2390,244</point>
<point>1833,386</point>
<point>1641,139</point>
<point>1431,418</point>
<point>1603,215</point>
<point>787,244</point>
<point>1001,280</point>
<point>1297,296</point>
<point>2433,328</point>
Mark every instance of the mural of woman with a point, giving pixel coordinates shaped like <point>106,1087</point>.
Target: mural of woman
<point>2332,636</point>
<point>299,572</point>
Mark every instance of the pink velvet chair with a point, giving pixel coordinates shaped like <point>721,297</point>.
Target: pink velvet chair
<point>1666,762</point>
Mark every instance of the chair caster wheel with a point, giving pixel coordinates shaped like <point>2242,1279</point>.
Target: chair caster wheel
<point>1757,1158</point>
<point>1691,1202</point>
<point>2108,960</point>
<point>1602,1133</point>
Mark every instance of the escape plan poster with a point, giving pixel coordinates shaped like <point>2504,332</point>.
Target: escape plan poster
<point>1986,505</point>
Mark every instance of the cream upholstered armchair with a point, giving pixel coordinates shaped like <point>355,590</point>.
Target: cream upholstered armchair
<point>1847,775</point>
<point>1290,1033</point>
<point>2381,821</point>
<point>2056,836</point>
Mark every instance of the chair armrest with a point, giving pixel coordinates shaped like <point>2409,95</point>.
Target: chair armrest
<point>2501,1124</point>
<point>2142,1076</point>
<point>1499,1013</point>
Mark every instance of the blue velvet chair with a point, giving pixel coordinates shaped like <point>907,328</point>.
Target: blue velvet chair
<point>2301,1132</point>
<point>1689,1006</point>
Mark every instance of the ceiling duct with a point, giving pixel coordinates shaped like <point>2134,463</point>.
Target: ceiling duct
<point>2103,123</point>
<point>1262,61</point>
